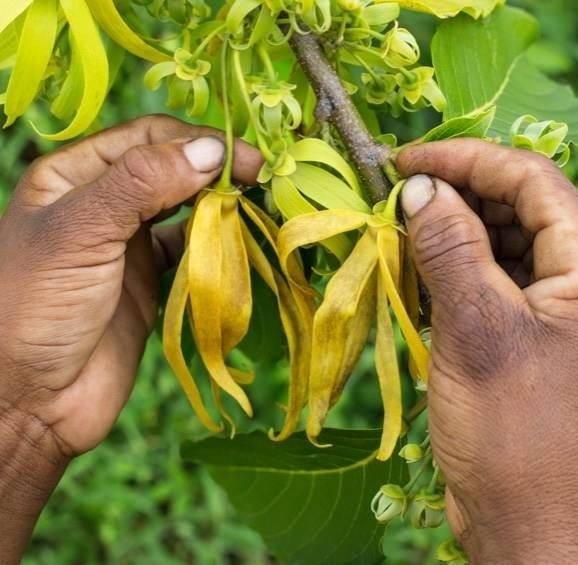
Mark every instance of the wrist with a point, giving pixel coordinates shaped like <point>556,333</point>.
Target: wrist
<point>32,463</point>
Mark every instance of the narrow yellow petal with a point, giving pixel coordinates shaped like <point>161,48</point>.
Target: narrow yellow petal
<point>111,21</point>
<point>235,293</point>
<point>417,349</point>
<point>205,283</point>
<point>293,204</point>
<point>293,267</point>
<point>94,68</point>
<point>216,392</point>
<point>172,331</point>
<point>313,228</point>
<point>34,52</point>
<point>10,10</point>
<point>333,327</point>
<point>388,376</point>
<point>297,329</point>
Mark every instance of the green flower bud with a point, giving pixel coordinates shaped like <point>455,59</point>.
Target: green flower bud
<point>427,510</point>
<point>389,502</point>
<point>450,552</point>
<point>400,48</point>
<point>546,138</point>
<point>411,452</point>
<point>349,5</point>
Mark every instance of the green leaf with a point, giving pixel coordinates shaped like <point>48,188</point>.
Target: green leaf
<point>310,505</point>
<point>531,92</point>
<point>465,126</point>
<point>474,59</point>
<point>499,73</point>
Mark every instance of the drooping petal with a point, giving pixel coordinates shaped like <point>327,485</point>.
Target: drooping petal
<point>318,151</point>
<point>388,375</point>
<point>94,68</point>
<point>235,289</point>
<point>326,189</point>
<point>314,228</point>
<point>333,323</point>
<point>449,8</point>
<point>111,21</point>
<point>297,330</point>
<point>205,283</point>
<point>417,349</point>
<point>172,330</point>
<point>10,10</point>
<point>34,52</point>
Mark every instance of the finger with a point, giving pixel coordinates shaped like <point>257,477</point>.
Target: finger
<point>543,199</point>
<point>168,245</point>
<point>145,181</point>
<point>54,175</point>
<point>451,247</point>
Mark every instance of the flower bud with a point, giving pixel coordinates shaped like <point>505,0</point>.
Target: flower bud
<point>427,510</point>
<point>389,502</point>
<point>450,552</point>
<point>349,5</point>
<point>411,452</point>
<point>546,138</point>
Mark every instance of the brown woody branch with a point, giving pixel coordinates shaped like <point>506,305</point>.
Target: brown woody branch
<point>335,106</point>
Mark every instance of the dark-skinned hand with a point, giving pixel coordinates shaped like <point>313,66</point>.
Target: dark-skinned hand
<point>79,277</point>
<point>503,393</point>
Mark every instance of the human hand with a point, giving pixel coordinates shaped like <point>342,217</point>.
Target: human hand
<point>503,392</point>
<point>80,267</point>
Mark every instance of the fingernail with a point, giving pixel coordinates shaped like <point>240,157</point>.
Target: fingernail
<point>416,193</point>
<point>205,154</point>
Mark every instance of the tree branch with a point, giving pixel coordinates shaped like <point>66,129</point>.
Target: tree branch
<point>334,105</point>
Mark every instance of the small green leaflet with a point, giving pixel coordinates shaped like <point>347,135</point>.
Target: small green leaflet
<point>465,126</point>
<point>499,74</point>
<point>310,505</point>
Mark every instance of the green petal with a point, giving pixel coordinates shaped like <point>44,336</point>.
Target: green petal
<point>94,67</point>
<point>111,21</point>
<point>10,10</point>
<point>34,52</point>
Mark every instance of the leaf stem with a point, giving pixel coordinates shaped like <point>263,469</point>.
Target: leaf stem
<point>334,105</point>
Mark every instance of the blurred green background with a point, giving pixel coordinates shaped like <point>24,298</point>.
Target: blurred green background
<point>130,501</point>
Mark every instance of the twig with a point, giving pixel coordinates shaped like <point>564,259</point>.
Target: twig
<point>334,105</point>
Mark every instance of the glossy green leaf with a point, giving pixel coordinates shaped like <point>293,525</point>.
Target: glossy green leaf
<point>10,10</point>
<point>39,31</point>
<point>530,91</point>
<point>474,60</point>
<point>476,125</point>
<point>499,74</point>
<point>310,505</point>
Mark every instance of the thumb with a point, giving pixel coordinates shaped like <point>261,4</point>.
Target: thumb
<point>143,182</point>
<point>450,244</point>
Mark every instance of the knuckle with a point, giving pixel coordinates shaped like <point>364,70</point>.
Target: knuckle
<point>139,175</point>
<point>447,244</point>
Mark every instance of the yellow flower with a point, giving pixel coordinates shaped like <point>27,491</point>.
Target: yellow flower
<point>212,290</point>
<point>378,274</point>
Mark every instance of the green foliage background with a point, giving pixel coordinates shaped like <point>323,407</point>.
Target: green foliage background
<point>131,500</point>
